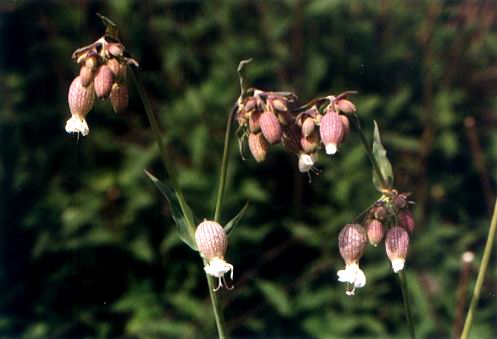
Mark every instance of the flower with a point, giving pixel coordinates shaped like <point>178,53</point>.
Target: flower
<point>212,242</point>
<point>352,241</point>
<point>81,101</point>
<point>396,245</point>
<point>307,161</point>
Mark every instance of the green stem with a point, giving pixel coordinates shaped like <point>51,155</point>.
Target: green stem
<point>481,274</point>
<point>224,165</point>
<point>216,305</point>
<point>407,303</point>
<point>403,281</point>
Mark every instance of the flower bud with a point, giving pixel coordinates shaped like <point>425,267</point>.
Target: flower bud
<point>119,98</point>
<point>119,70</point>
<point>80,101</point>
<point>212,242</point>
<point>375,232</point>
<point>346,126</point>
<point>250,104</point>
<point>310,143</point>
<point>91,62</point>
<point>331,130</point>
<point>103,81</point>
<point>352,241</point>
<point>308,126</point>
<point>378,211</point>
<point>406,220</point>
<point>86,76</point>
<point>396,244</point>
<point>400,200</point>
<point>115,49</point>
<point>258,146</point>
<point>270,127</point>
<point>254,125</point>
<point>345,106</point>
<point>278,102</point>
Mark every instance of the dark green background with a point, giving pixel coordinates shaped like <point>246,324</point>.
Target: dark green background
<point>87,244</point>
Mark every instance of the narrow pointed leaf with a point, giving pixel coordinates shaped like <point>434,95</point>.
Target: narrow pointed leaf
<point>233,222</point>
<point>179,218</point>
<point>111,28</point>
<point>240,76</point>
<point>380,154</point>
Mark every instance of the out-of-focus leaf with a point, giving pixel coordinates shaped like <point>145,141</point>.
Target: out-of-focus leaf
<point>233,222</point>
<point>380,155</point>
<point>179,218</point>
<point>276,296</point>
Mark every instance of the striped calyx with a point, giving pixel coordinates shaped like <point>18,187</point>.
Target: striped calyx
<point>211,239</point>
<point>270,127</point>
<point>332,131</point>
<point>375,232</point>
<point>352,241</point>
<point>406,220</point>
<point>258,146</point>
<point>396,245</point>
<point>119,97</point>
<point>103,81</point>
<point>80,101</point>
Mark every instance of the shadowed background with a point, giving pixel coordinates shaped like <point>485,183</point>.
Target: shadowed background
<point>87,244</point>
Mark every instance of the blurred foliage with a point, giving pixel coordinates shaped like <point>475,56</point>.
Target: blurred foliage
<point>88,247</point>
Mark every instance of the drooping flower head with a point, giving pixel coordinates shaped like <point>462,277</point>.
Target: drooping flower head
<point>352,241</point>
<point>212,242</point>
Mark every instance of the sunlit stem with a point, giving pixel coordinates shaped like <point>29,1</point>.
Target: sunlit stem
<point>481,274</point>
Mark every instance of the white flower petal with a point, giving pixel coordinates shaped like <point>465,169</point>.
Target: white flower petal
<point>398,264</point>
<point>353,275</point>
<point>306,161</point>
<point>77,125</point>
<point>218,267</point>
<point>331,149</point>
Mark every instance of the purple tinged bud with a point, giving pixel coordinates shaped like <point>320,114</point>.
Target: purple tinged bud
<point>115,49</point>
<point>346,126</point>
<point>278,102</point>
<point>310,143</point>
<point>378,212</point>
<point>119,98</point>
<point>352,241</point>
<point>397,244</point>
<point>86,76</point>
<point>103,81</point>
<point>119,70</point>
<point>308,126</point>
<point>270,127</point>
<point>406,220</point>
<point>258,146</point>
<point>254,125</point>
<point>332,131</point>
<point>80,98</point>
<point>345,106</point>
<point>375,232</point>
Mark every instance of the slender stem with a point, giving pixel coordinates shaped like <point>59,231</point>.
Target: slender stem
<point>407,303</point>
<point>216,305</point>
<point>481,274</point>
<point>166,159</point>
<point>403,281</point>
<point>224,165</point>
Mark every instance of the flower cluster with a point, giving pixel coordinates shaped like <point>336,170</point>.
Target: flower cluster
<point>268,118</point>
<point>390,215</point>
<point>102,74</point>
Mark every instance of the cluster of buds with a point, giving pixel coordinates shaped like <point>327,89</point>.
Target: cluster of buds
<point>212,243</point>
<point>102,74</point>
<point>269,118</point>
<point>390,215</point>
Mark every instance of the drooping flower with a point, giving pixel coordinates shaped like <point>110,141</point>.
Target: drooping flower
<point>270,126</point>
<point>375,232</point>
<point>258,146</point>
<point>396,245</point>
<point>81,101</point>
<point>307,161</point>
<point>212,242</point>
<point>352,241</point>
<point>332,131</point>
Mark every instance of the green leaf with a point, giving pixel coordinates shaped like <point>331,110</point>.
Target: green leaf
<point>276,296</point>
<point>380,155</point>
<point>233,222</point>
<point>182,221</point>
<point>240,76</point>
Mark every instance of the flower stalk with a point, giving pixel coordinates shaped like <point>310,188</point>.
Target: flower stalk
<point>481,274</point>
